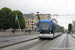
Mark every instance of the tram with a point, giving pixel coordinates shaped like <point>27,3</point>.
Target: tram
<point>48,29</point>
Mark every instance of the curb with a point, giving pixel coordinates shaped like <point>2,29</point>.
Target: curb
<point>16,43</point>
<point>72,36</point>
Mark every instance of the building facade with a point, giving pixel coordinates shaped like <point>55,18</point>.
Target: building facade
<point>45,16</point>
<point>30,20</point>
<point>73,26</point>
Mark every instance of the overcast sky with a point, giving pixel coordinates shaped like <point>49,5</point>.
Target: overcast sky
<point>60,7</point>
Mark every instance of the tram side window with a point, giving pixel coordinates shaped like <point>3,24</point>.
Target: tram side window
<point>55,28</point>
<point>51,28</point>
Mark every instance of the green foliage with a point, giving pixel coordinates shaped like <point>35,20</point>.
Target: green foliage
<point>13,25</point>
<point>54,27</point>
<point>20,18</point>
<point>38,16</point>
<point>69,27</point>
<point>38,24</point>
<point>5,18</point>
<point>0,20</point>
<point>62,29</point>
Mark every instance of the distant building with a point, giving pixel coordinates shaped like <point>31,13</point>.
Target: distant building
<point>73,26</point>
<point>45,16</point>
<point>30,20</point>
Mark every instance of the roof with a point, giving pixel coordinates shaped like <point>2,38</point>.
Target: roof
<point>29,16</point>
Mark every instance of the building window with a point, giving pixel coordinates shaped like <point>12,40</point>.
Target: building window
<point>26,22</point>
<point>26,19</point>
<point>25,16</point>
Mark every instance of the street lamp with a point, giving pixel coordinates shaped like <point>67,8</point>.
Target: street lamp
<point>37,12</point>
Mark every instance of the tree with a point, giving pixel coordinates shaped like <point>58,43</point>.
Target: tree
<point>12,24</point>
<point>62,29</point>
<point>54,27</point>
<point>38,15</point>
<point>69,27</point>
<point>0,20</point>
<point>38,24</point>
<point>20,18</point>
<point>5,18</point>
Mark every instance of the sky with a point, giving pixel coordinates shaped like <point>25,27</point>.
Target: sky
<point>60,7</point>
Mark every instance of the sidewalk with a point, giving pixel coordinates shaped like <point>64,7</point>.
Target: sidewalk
<point>16,33</point>
<point>11,40</point>
<point>73,35</point>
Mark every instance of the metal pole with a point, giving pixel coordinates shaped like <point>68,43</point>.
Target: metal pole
<point>19,24</point>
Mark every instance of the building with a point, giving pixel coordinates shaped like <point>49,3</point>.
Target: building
<point>30,20</point>
<point>45,16</point>
<point>73,26</point>
<point>55,21</point>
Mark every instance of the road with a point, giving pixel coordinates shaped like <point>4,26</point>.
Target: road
<point>63,42</point>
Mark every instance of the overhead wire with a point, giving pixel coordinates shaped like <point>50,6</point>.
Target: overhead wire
<point>60,10</point>
<point>67,15</point>
<point>66,6</point>
<point>49,6</point>
<point>66,11</point>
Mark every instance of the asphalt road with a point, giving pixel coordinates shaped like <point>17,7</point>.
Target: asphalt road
<point>63,42</point>
<point>70,43</point>
<point>47,44</point>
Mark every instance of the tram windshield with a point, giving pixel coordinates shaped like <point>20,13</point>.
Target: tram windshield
<point>45,25</point>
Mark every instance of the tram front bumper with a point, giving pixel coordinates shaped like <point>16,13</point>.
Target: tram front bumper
<point>46,36</point>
